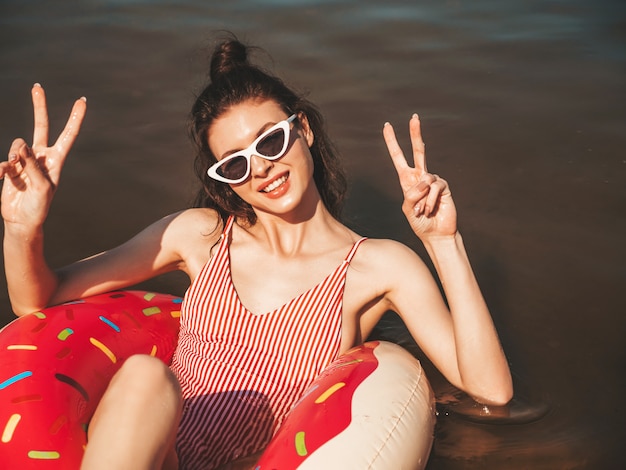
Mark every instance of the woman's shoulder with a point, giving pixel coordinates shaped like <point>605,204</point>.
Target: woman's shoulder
<point>386,256</point>
<point>197,224</point>
<point>199,214</point>
<point>384,248</point>
<point>189,235</point>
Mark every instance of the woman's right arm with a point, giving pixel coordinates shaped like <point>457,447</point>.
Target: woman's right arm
<point>31,176</point>
<point>33,285</point>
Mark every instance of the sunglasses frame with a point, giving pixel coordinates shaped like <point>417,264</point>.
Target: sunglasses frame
<point>252,150</point>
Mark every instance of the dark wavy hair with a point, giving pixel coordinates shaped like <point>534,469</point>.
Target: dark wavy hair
<point>233,80</point>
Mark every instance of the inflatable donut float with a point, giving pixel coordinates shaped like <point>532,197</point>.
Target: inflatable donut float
<point>372,408</point>
<point>56,364</point>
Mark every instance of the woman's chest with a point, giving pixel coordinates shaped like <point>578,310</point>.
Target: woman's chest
<point>264,285</point>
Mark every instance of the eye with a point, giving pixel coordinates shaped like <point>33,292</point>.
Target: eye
<point>272,144</point>
<point>234,169</point>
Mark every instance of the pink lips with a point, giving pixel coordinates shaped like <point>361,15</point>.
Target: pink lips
<point>279,190</point>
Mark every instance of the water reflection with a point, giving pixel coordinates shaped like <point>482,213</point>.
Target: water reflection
<point>517,411</point>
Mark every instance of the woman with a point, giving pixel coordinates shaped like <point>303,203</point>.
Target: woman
<point>279,286</point>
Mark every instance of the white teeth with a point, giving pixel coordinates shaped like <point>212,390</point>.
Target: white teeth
<point>271,187</point>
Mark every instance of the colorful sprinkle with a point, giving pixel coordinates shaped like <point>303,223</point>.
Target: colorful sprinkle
<point>149,296</point>
<point>110,323</point>
<point>26,399</point>
<point>104,349</point>
<point>177,300</point>
<point>9,429</point>
<point>175,314</point>
<point>63,353</point>
<point>300,445</point>
<point>133,320</point>
<point>72,383</point>
<point>15,378</point>
<point>348,363</point>
<point>24,347</point>
<point>151,311</point>
<point>58,424</point>
<point>153,351</point>
<point>64,334</point>
<point>324,396</point>
<point>40,315</point>
<point>44,455</point>
<point>39,327</point>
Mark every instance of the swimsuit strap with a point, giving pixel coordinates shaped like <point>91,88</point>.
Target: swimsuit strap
<point>354,248</point>
<point>228,225</point>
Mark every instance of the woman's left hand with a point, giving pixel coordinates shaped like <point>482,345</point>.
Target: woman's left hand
<point>428,204</point>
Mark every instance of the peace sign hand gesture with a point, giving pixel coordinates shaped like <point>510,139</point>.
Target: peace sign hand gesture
<point>31,174</point>
<point>428,204</point>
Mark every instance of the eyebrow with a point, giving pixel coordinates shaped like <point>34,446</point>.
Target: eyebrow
<point>262,130</point>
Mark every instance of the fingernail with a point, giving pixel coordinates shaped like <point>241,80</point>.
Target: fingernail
<point>386,124</point>
<point>12,157</point>
<point>422,186</point>
<point>84,98</point>
<point>415,116</point>
<point>37,85</point>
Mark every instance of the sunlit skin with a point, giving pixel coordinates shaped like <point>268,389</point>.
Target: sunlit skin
<point>37,167</point>
<point>238,127</point>
<point>293,245</point>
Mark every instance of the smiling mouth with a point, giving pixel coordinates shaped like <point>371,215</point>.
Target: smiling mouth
<point>274,184</point>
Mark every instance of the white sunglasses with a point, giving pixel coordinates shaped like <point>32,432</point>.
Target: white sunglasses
<point>271,145</point>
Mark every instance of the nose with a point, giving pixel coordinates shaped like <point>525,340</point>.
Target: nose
<point>260,166</point>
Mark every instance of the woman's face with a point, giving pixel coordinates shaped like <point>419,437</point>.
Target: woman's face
<point>278,186</point>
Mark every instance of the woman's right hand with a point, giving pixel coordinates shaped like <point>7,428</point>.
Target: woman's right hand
<point>31,174</point>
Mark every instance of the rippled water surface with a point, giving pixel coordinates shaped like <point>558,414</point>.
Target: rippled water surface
<point>524,113</point>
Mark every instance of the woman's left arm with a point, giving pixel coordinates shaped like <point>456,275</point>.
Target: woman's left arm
<point>483,371</point>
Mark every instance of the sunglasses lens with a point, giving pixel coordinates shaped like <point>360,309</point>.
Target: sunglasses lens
<point>234,168</point>
<point>272,145</point>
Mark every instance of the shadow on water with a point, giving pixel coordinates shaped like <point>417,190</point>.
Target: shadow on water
<point>523,111</point>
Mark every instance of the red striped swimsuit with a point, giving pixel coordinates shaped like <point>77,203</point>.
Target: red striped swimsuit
<point>241,372</point>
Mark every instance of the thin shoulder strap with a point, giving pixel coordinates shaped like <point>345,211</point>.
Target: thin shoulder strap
<point>224,239</point>
<point>229,224</point>
<point>354,248</point>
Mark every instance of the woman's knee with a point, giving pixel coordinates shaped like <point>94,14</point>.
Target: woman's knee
<point>142,385</point>
<point>144,375</point>
<point>137,416</point>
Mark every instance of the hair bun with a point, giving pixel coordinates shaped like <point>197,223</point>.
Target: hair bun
<point>228,56</point>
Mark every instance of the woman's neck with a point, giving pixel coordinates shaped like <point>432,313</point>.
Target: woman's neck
<point>285,234</point>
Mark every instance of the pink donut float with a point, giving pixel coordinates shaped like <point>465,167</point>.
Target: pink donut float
<point>372,408</point>
<point>56,364</point>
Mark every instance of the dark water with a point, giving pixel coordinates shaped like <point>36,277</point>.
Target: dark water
<point>524,112</point>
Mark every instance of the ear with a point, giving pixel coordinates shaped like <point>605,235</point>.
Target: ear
<point>306,129</point>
